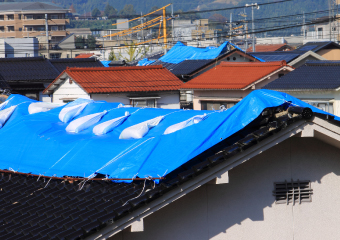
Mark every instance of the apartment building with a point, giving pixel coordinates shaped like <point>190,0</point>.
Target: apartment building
<point>27,19</point>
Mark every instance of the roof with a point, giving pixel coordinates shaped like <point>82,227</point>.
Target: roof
<point>317,46</point>
<point>313,75</point>
<point>122,79</point>
<point>65,38</point>
<point>278,55</point>
<point>63,63</point>
<point>28,6</point>
<point>190,67</point>
<point>85,55</point>
<point>152,56</point>
<point>35,207</point>
<point>27,69</point>
<point>234,75</point>
<point>306,55</point>
<point>269,47</point>
<point>3,83</point>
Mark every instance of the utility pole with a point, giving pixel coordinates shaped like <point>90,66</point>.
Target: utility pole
<point>330,19</point>
<point>48,45</point>
<point>304,26</point>
<point>252,20</point>
<point>172,23</point>
<point>231,26</point>
<point>141,19</point>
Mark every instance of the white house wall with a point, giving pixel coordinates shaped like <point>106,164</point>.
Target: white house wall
<point>166,99</point>
<point>245,207</point>
<point>68,90</point>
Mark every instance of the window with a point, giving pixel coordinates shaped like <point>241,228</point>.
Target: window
<point>39,17</point>
<point>2,28</point>
<point>20,29</point>
<point>1,17</point>
<point>54,16</point>
<point>216,105</point>
<point>10,17</point>
<point>291,192</point>
<point>29,17</point>
<point>55,55</point>
<point>54,28</point>
<point>320,33</point>
<point>143,102</point>
<point>19,16</point>
<point>326,106</point>
<point>10,28</point>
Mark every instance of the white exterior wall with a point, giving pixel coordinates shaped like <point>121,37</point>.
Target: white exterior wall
<point>245,207</point>
<point>2,48</point>
<point>225,95</point>
<point>319,95</point>
<point>21,47</point>
<point>68,90</point>
<point>166,99</point>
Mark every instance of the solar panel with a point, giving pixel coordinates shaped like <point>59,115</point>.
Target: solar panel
<point>307,48</point>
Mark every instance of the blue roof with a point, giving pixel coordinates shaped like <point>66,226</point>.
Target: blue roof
<point>316,46</point>
<point>314,75</point>
<point>38,143</point>
<point>277,56</point>
<point>105,63</point>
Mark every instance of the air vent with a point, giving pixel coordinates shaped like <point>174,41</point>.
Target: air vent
<point>293,192</point>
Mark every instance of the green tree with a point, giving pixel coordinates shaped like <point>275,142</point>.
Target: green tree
<point>91,41</point>
<point>112,55</point>
<point>79,42</point>
<point>95,12</point>
<point>110,11</point>
<point>127,10</point>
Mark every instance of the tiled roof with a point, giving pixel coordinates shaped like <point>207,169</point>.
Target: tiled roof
<point>316,46</point>
<point>278,56</point>
<point>233,75</point>
<point>28,69</point>
<point>85,55</point>
<point>123,79</point>
<point>313,75</point>
<point>33,207</point>
<point>269,47</point>
<point>63,63</point>
<point>3,83</point>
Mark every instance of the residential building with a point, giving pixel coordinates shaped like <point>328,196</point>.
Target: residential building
<point>151,86</point>
<point>19,47</point>
<point>228,83</point>
<point>321,30</point>
<point>327,49</point>
<point>315,82</point>
<point>269,173</point>
<point>29,76</point>
<point>27,19</point>
<point>270,47</point>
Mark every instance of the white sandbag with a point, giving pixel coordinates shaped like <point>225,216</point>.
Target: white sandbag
<point>139,130</point>
<point>5,114</point>
<point>73,109</point>
<point>3,105</point>
<point>108,126</point>
<point>85,122</point>
<point>184,124</point>
<point>37,107</point>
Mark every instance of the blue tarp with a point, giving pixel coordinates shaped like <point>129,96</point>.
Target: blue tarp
<point>105,63</point>
<point>145,62</point>
<point>181,52</point>
<point>39,144</point>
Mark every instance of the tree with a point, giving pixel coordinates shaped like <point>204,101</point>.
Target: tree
<point>79,42</point>
<point>110,11</point>
<point>95,12</point>
<point>91,41</point>
<point>127,10</point>
<point>112,55</point>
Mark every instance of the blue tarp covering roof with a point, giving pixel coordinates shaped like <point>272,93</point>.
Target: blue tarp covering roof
<point>39,144</point>
<point>181,52</point>
<point>105,63</point>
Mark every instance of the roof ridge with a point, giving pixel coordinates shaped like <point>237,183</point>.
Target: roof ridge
<point>115,68</point>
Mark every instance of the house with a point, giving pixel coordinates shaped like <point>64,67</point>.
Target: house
<point>272,171</point>
<point>19,47</point>
<point>228,83</point>
<point>316,82</point>
<point>270,47</point>
<point>27,19</point>
<point>321,29</point>
<point>151,86</point>
<point>29,76</point>
<point>327,49</point>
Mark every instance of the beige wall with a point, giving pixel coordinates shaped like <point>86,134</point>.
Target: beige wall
<point>330,54</point>
<point>226,95</point>
<point>245,207</point>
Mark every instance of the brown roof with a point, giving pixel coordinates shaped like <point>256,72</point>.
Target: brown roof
<point>233,75</point>
<point>270,47</point>
<point>85,55</point>
<point>122,79</point>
